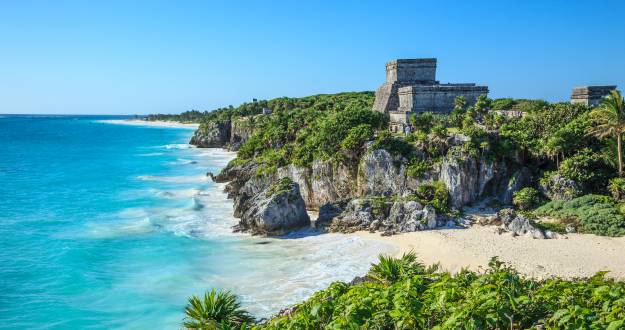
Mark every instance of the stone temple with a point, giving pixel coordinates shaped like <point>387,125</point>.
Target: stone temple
<point>590,95</point>
<point>411,87</point>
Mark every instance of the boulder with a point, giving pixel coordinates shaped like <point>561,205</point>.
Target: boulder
<point>557,187</point>
<point>374,214</point>
<point>274,211</point>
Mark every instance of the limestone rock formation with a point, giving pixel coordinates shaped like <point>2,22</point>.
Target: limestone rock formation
<point>274,211</point>
<point>469,178</point>
<point>560,188</point>
<point>223,134</point>
<point>212,135</point>
<point>388,217</point>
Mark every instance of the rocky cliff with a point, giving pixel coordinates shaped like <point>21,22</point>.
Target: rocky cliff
<point>468,179</point>
<point>276,209</point>
<point>228,134</point>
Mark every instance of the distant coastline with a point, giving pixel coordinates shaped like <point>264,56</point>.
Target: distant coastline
<point>156,123</point>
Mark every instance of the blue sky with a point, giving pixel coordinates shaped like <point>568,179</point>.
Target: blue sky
<point>133,57</point>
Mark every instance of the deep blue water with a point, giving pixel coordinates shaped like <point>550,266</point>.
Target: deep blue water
<point>113,226</point>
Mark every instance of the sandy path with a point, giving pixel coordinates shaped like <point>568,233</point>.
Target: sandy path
<point>580,255</point>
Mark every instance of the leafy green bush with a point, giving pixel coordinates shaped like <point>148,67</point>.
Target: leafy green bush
<point>422,121</point>
<point>434,194</point>
<point>526,198</point>
<point>439,131</point>
<point>357,136</point>
<point>394,145</point>
<point>596,214</point>
<point>617,188</point>
<point>417,168</point>
<point>588,168</point>
<point>403,294</point>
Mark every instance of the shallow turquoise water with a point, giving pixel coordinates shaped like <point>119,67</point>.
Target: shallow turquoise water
<point>113,226</point>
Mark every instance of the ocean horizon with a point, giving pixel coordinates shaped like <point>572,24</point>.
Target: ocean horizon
<point>108,226</point>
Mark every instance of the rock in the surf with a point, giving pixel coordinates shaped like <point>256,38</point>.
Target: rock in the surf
<point>274,211</point>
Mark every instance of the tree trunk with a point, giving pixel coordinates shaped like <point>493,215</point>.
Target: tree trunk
<point>620,156</point>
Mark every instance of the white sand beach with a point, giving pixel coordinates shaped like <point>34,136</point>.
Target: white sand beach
<point>580,255</point>
<point>139,122</point>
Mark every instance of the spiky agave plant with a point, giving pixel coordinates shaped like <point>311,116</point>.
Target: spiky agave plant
<point>389,269</point>
<point>217,310</point>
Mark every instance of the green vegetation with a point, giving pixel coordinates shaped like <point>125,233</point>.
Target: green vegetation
<point>215,311</point>
<point>404,294</point>
<point>434,194</point>
<point>617,188</point>
<point>418,168</point>
<point>281,186</point>
<point>526,198</point>
<point>564,143</point>
<point>609,121</point>
<point>594,214</point>
<point>315,127</point>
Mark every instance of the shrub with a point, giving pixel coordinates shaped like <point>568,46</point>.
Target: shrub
<point>588,168</point>
<point>617,188</point>
<point>215,311</point>
<point>526,198</point>
<point>439,131</point>
<point>406,295</point>
<point>596,214</point>
<point>395,146</point>
<point>357,136</point>
<point>423,121</point>
<point>417,168</point>
<point>434,194</point>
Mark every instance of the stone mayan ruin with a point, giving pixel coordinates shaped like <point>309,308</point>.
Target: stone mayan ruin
<point>411,87</point>
<point>590,95</point>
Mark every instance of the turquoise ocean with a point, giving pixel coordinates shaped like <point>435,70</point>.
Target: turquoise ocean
<point>111,226</point>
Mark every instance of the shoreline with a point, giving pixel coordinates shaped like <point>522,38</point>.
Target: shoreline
<point>581,255</point>
<point>156,123</point>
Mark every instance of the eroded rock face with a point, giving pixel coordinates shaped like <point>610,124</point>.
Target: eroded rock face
<point>560,188</point>
<point>381,174</point>
<point>274,211</point>
<point>470,178</point>
<point>520,179</point>
<point>388,217</point>
<point>240,132</point>
<point>212,135</point>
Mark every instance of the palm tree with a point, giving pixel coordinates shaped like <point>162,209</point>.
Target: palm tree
<point>215,312</point>
<point>609,119</point>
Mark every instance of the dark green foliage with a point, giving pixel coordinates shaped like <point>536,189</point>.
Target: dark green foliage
<point>532,132</point>
<point>403,294</point>
<point>588,168</point>
<point>394,145</point>
<point>422,121</point>
<point>215,311</point>
<point>526,198</point>
<point>417,168</point>
<point>595,214</point>
<point>313,127</point>
<point>192,116</point>
<point>434,194</point>
<point>357,136</point>
<point>518,105</point>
